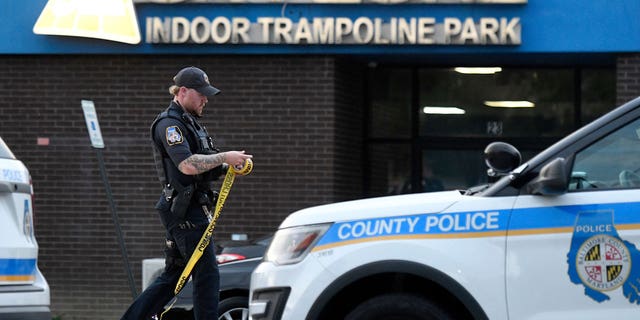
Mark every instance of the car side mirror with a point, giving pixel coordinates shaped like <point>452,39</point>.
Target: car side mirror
<point>501,158</point>
<point>552,179</point>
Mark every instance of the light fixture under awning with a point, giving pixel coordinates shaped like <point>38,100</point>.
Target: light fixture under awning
<point>478,70</point>
<point>443,110</point>
<point>510,104</point>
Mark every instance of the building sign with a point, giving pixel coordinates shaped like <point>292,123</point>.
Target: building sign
<point>334,31</point>
<point>443,29</point>
<point>116,20</point>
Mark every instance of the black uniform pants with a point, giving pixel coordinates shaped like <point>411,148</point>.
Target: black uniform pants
<point>205,274</point>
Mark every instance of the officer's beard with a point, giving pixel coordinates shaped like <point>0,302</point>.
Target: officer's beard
<point>191,112</point>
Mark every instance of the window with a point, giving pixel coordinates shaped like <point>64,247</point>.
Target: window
<point>598,93</point>
<point>390,110</point>
<point>509,103</point>
<point>452,169</point>
<point>391,168</point>
<point>612,162</point>
<point>427,127</point>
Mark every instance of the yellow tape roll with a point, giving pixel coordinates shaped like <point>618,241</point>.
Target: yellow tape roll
<point>246,168</point>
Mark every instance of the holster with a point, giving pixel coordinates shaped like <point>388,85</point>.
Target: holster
<point>181,200</point>
<point>207,197</point>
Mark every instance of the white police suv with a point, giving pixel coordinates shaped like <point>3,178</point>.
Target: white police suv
<point>557,237</point>
<point>24,293</point>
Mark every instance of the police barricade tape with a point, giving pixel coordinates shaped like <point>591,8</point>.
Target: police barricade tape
<point>206,236</point>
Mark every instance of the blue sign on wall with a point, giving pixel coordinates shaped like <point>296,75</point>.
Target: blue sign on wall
<point>306,27</point>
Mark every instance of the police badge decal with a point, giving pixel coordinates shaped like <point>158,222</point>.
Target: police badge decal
<point>174,135</point>
<point>600,260</point>
<point>603,263</point>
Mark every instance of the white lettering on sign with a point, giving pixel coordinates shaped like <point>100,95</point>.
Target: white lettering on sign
<point>381,227</point>
<point>462,222</point>
<point>199,30</point>
<point>433,223</point>
<point>597,228</point>
<point>335,31</point>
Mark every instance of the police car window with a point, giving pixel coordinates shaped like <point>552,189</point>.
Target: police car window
<point>612,162</point>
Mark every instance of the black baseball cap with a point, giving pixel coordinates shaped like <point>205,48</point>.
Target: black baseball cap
<point>194,78</point>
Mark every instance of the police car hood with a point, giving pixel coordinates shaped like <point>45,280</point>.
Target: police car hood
<point>399,205</point>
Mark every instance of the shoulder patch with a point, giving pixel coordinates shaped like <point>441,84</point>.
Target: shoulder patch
<point>174,135</point>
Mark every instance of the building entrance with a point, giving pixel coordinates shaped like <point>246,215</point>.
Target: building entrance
<point>427,127</point>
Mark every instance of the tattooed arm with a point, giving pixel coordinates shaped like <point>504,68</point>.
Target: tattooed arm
<point>199,163</point>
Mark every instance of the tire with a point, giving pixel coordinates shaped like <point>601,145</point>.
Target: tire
<point>234,308</point>
<point>398,306</point>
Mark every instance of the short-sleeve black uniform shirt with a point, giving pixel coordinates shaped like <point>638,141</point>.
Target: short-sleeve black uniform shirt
<point>175,143</point>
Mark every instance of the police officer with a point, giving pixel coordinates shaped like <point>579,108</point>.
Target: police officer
<point>187,163</point>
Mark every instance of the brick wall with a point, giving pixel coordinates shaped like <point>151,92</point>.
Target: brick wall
<point>299,116</point>
<point>628,77</point>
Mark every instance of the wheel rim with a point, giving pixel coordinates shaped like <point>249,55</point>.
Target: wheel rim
<point>235,314</point>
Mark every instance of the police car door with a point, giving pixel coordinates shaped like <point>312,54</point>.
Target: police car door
<point>576,255</point>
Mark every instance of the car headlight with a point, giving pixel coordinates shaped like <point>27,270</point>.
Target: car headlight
<point>291,245</point>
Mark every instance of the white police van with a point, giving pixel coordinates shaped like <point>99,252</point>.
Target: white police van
<point>557,237</point>
<point>24,292</point>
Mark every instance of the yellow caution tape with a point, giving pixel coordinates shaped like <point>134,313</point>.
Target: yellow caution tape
<point>206,237</point>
